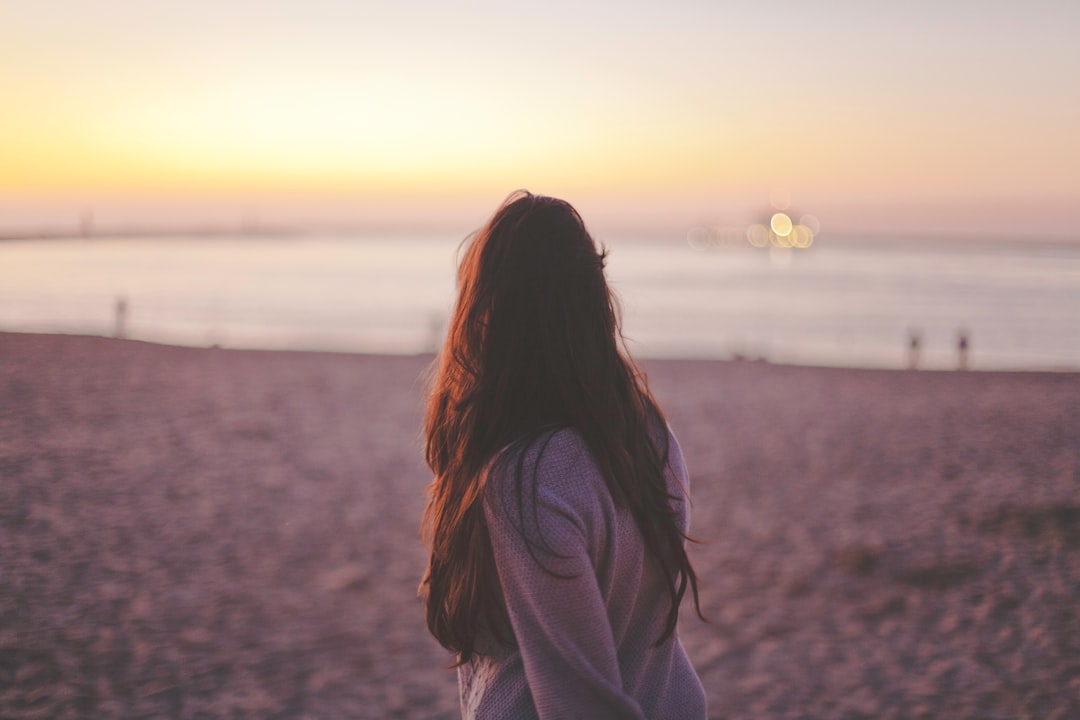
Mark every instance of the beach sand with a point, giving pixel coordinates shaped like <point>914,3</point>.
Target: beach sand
<point>199,533</point>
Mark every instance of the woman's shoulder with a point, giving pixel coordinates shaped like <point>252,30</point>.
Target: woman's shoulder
<point>675,460</point>
<point>556,459</point>
<point>549,490</point>
<point>560,452</point>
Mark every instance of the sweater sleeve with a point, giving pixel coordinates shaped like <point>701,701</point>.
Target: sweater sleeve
<point>544,540</point>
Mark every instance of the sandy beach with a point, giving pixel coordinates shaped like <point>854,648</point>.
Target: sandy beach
<point>199,533</point>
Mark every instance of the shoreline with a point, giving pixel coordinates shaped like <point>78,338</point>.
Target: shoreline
<point>644,360</point>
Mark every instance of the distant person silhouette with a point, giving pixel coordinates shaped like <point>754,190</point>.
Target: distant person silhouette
<point>121,317</point>
<point>914,349</point>
<point>963,346</point>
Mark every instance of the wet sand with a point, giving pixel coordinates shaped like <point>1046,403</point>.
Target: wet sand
<point>210,533</point>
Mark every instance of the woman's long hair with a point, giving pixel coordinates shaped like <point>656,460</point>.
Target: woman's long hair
<point>535,344</point>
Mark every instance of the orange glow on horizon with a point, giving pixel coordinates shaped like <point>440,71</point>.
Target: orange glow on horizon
<point>197,100</point>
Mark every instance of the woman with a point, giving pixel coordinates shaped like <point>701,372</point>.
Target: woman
<point>558,514</point>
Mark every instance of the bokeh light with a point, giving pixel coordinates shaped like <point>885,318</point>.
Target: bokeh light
<point>781,224</point>
<point>780,241</point>
<point>758,235</point>
<point>699,237</point>
<point>780,198</point>
<point>801,236</point>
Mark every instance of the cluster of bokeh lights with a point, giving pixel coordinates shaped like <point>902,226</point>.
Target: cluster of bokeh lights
<point>783,232</point>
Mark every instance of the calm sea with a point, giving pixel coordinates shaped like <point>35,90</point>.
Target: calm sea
<point>842,304</point>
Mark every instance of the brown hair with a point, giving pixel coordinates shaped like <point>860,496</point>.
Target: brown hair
<point>534,344</point>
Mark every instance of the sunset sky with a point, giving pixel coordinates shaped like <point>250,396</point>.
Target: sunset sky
<point>922,117</point>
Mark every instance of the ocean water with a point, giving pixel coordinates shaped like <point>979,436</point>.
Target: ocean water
<point>841,304</point>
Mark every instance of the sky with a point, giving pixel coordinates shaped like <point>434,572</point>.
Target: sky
<point>954,118</point>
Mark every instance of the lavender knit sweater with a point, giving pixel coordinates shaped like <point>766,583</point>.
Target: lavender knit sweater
<point>586,642</point>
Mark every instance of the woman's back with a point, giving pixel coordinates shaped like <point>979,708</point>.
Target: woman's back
<point>586,602</point>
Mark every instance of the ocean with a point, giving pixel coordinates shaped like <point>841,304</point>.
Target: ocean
<point>847,304</point>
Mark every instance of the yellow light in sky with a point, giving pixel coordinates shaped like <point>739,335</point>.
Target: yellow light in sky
<point>382,133</point>
<point>393,131</point>
<point>273,101</point>
<point>781,224</point>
